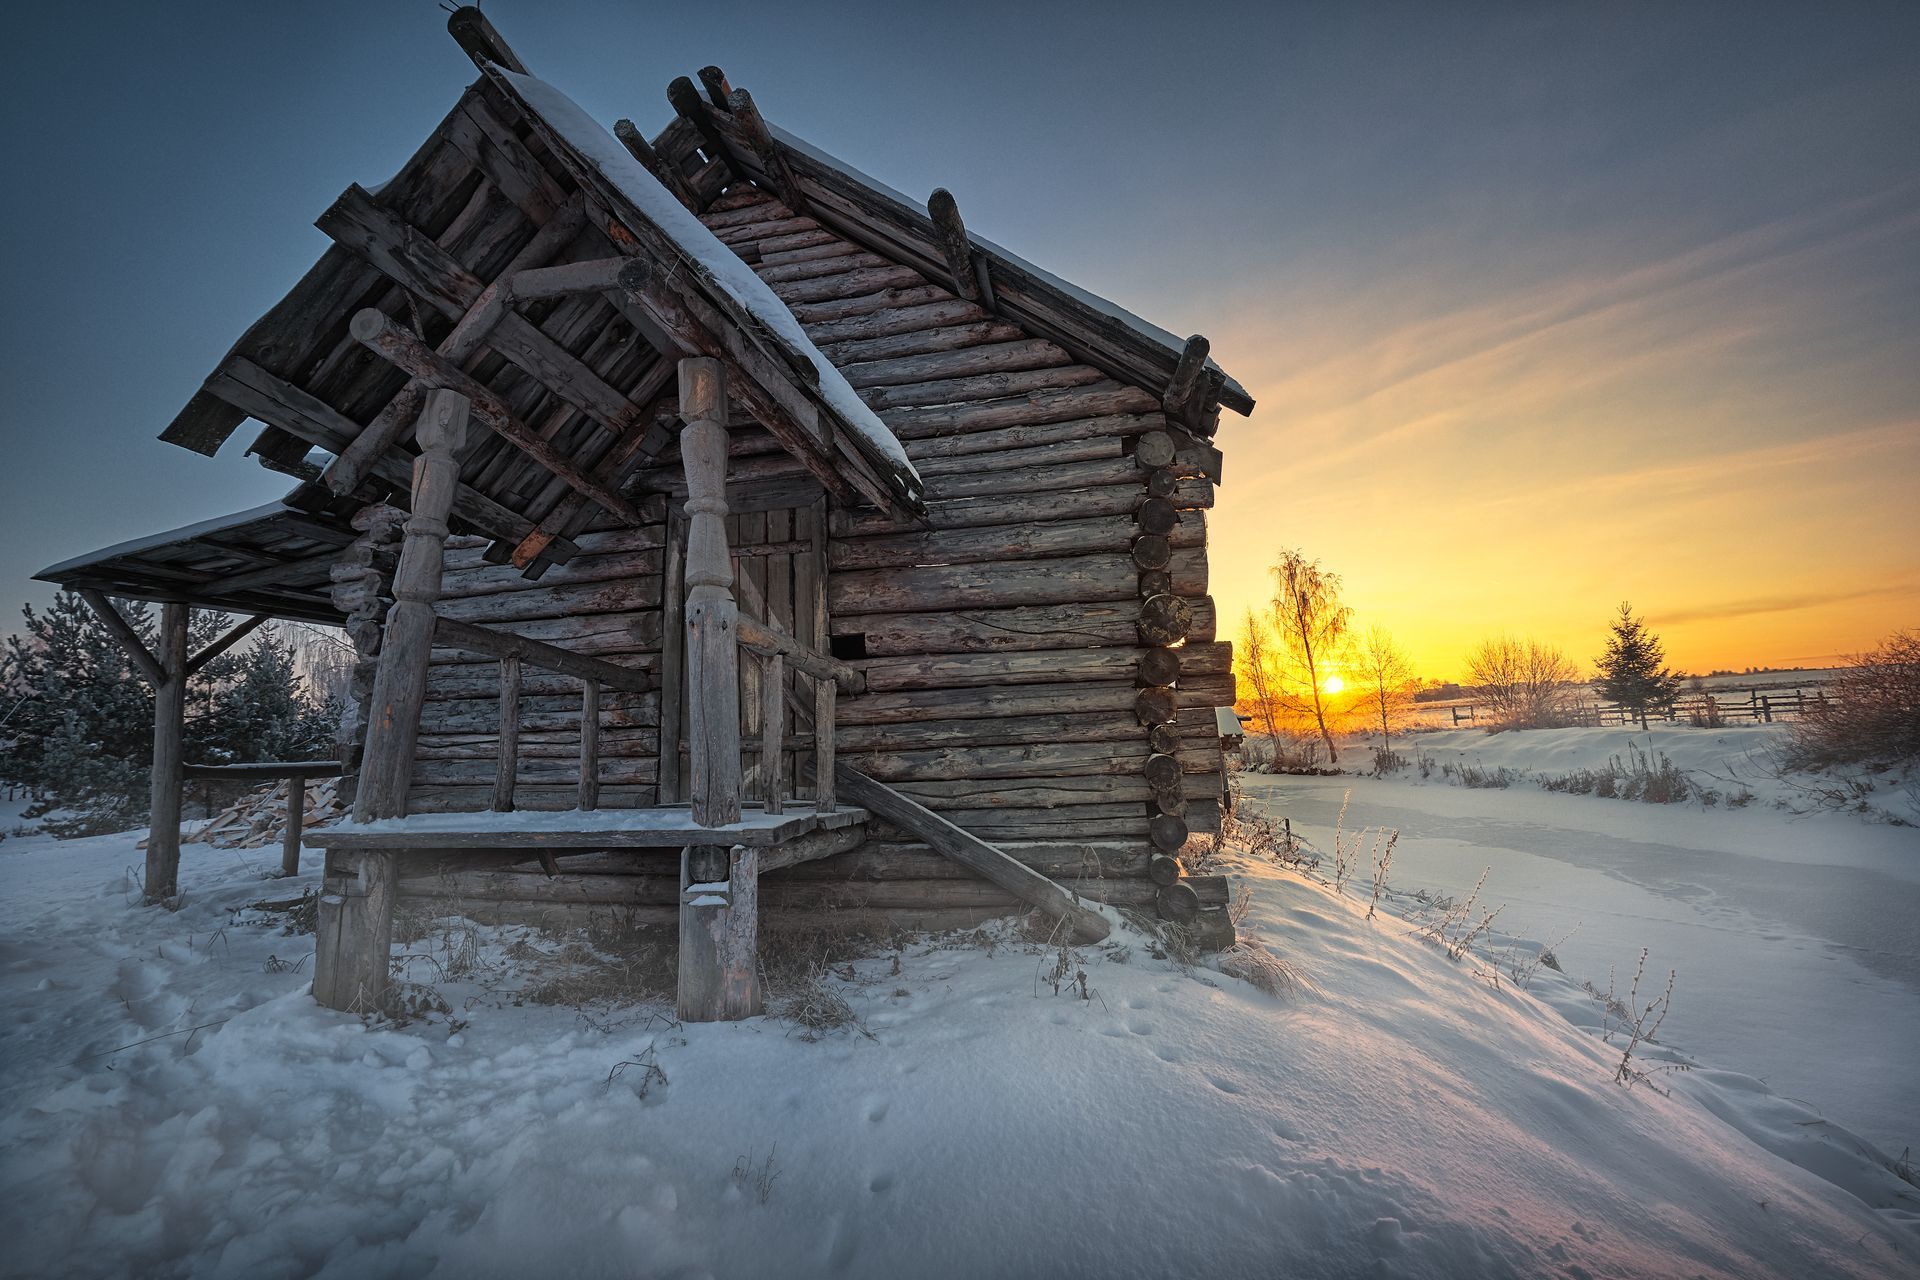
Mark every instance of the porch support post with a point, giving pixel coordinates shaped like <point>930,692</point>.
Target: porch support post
<point>712,649</point>
<point>354,940</point>
<point>169,721</point>
<point>399,685</point>
<point>719,934</point>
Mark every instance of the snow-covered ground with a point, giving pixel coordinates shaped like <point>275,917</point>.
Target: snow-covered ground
<point>1394,1116</point>
<point>1794,932</point>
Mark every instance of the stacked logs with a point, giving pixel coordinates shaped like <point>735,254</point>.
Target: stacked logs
<point>362,590</point>
<point>1165,620</point>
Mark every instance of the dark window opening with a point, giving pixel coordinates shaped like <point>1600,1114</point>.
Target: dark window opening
<point>847,648</point>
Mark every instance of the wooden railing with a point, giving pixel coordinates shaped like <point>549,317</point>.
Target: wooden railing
<point>777,651</point>
<point>512,651</point>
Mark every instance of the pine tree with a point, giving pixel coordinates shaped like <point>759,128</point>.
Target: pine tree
<point>1631,670</point>
<point>80,732</point>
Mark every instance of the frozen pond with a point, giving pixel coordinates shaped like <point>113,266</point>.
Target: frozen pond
<point>1797,941</point>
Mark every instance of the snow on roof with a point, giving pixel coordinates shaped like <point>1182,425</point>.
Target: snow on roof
<point>186,533</point>
<point>1113,310</point>
<point>599,148</point>
<point>1228,723</point>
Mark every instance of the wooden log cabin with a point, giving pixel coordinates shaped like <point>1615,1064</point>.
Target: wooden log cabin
<point>721,535</point>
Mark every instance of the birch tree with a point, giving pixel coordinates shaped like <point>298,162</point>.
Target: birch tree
<point>1312,623</point>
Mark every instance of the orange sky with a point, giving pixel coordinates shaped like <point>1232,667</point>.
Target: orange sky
<point>1521,457</point>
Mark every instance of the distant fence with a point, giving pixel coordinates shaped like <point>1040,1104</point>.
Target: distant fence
<point>1705,708</point>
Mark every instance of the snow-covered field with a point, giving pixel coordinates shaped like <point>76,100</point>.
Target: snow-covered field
<point>1394,1116</point>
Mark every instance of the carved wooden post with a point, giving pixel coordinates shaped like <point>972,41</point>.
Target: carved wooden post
<point>712,652</point>
<point>354,934</point>
<point>399,686</point>
<point>169,720</point>
<point>719,933</point>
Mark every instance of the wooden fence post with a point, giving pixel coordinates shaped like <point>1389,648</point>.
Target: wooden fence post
<point>712,650</point>
<point>399,685</point>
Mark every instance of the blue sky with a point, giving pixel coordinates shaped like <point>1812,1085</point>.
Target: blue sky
<point>1534,290</point>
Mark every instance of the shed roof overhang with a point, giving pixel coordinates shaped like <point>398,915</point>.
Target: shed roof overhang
<point>273,560</point>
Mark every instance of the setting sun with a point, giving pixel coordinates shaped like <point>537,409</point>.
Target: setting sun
<point>1333,684</point>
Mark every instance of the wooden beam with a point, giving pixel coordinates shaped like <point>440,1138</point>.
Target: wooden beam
<point>970,279</point>
<point>642,281</point>
<point>973,853</point>
<point>686,297</point>
<point>263,770</point>
<point>275,400</point>
<point>636,446</point>
<point>415,262</point>
<point>718,90</point>
<point>1189,376</point>
<point>771,157</point>
<point>381,334</point>
<point>314,566</point>
<point>665,172</point>
<point>765,639</point>
<point>494,643</point>
<point>689,106</point>
<point>129,639</point>
<point>236,634</point>
<point>474,34</point>
<point>464,346</point>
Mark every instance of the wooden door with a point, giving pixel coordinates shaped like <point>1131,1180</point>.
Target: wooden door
<point>780,571</point>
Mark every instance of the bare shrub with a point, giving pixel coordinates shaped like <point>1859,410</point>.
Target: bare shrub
<point>816,1007</point>
<point>1645,776</point>
<point>1382,862</point>
<point>1526,684</point>
<point>1871,711</point>
<point>1452,925</point>
<point>758,1176</point>
<point>1252,963</point>
<point>1641,1024</point>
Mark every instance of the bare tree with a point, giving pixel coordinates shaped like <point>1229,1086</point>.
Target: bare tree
<point>1313,626</point>
<point>1386,674</point>
<point>1526,683</point>
<point>1257,667</point>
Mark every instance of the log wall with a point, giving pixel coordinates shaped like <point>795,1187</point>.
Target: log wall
<point>605,601</point>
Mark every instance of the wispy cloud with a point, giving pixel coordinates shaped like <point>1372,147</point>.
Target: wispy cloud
<point>1755,606</point>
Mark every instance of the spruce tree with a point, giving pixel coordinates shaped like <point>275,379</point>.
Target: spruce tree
<point>79,731</point>
<point>78,718</point>
<point>1632,674</point>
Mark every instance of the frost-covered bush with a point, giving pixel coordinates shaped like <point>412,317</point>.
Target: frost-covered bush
<point>1871,711</point>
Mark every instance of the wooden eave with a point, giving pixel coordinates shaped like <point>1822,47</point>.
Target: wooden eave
<point>271,560</point>
<point>488,196</point>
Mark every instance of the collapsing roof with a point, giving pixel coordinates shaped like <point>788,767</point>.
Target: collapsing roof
<point>555,277</point>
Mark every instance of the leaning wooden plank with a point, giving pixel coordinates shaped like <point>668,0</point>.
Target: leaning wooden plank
<point>502,644</point>
<point>945,838</point>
